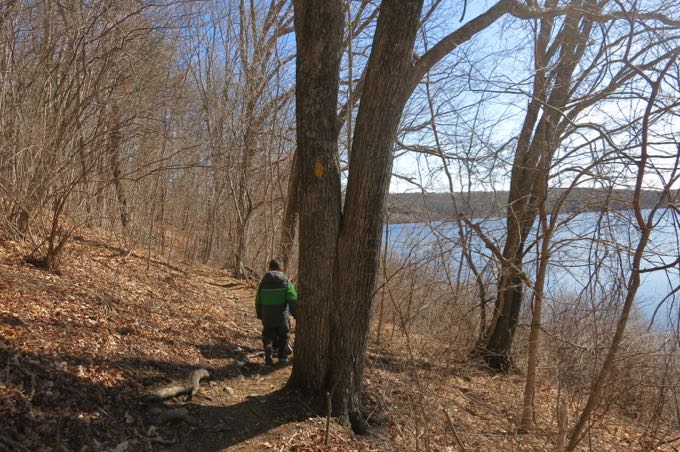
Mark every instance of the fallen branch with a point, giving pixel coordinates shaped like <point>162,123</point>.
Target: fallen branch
<point>190,388</point>
<point>453,430</point>
<point>665,442</point>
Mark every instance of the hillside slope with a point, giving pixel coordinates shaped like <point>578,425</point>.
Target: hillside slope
<point>82,352</point>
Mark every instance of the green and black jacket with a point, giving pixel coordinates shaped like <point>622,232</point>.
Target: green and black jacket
<point>276,299</point>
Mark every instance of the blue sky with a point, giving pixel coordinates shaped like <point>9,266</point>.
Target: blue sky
<point>493,72</point>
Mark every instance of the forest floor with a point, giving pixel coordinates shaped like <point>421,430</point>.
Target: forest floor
<point>82,352</point>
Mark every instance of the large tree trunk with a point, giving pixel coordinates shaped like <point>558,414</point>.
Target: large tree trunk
<point>520,218</point>
<point>385,93</point>
<point>318,32</point>
<point>414,75</point>
<point>521,214</point>
<point>339,253</point>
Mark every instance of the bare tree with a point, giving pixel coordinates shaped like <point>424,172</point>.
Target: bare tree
<point>347,273</point>
<point>645,223</point>
<point>563,88</point>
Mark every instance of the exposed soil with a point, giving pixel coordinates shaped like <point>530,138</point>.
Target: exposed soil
<point>81,352</point>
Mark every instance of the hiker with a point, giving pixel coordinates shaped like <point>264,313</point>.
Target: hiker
<point>276,299</point>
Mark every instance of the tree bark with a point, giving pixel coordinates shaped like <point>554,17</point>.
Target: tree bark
<point>344,285</point>
<point>318,32</point>
<point>420,68</point>
<point>384,97</point>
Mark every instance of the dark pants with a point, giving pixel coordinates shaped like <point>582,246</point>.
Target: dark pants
<point>276,336</point>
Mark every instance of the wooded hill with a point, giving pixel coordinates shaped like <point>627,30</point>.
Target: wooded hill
<point>88,354</point>
<point>142,141</point>
<point>416,207</point>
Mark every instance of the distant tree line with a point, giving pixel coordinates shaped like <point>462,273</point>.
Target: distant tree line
<point>418,207</point>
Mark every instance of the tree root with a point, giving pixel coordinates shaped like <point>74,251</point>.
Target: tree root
<point>172,415</point>
<point>358,422</point>
<point>163,441</point>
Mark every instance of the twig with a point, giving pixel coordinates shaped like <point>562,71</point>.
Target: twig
<point>328,418</point>
<point>453,429</point>
<point>666,441</point>
<point>291,438</point>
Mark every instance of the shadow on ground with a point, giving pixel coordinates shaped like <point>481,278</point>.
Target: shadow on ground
<point>226,426</point>
<point>48,404</point>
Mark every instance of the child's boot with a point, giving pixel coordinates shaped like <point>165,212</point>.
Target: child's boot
<point>268,355</point>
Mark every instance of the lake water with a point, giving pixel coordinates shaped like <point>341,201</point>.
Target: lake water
<point>591,256</point>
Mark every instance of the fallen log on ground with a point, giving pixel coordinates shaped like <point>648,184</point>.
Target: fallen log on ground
<point>190,387</point>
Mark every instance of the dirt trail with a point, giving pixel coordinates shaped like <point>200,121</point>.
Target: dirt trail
<point>81,352</point>
<point>244,406</point>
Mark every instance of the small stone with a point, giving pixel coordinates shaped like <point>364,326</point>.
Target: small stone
<point>229,390</point>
